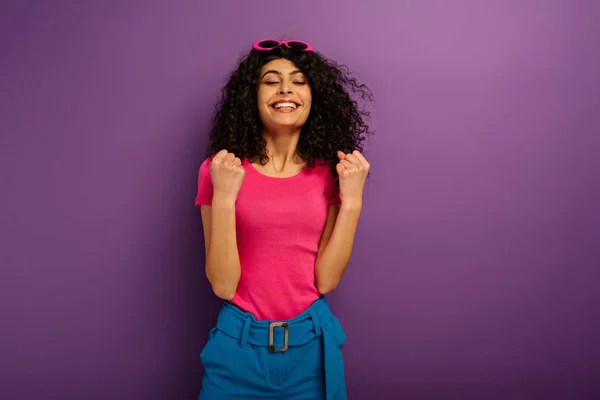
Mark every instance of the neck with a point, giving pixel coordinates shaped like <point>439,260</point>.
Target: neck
<point>281,147</point>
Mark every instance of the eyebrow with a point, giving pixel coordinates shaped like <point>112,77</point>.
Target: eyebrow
<point>272,71</point>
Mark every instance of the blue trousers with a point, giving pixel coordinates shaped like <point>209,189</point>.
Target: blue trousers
<point>300,358</point>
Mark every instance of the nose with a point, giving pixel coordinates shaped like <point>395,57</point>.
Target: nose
<point>285,88</point>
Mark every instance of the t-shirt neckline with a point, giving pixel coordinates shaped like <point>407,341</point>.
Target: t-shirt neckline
<point>257,172</point>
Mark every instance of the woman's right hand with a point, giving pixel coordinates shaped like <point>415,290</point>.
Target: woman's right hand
<point>227,176</point>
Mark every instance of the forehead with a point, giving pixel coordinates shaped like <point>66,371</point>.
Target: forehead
<point>281,65</point>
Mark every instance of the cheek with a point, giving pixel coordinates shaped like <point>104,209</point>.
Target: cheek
<point>262,101</point>
<point>262,97</point>
<point>307,98</point>
<point>307,103</point>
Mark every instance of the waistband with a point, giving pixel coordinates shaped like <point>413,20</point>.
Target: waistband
<point>300,330</point>
<point>278,336</point>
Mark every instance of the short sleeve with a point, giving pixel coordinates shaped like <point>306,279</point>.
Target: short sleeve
<point>333,197</point>
<point>205,188</point>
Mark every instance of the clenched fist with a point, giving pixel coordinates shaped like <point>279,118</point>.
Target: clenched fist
<point>353,170</point>
<point>227,175</point>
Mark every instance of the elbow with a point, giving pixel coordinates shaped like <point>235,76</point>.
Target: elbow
<point>224,286</point>
<point>327,277</point>
<point>324,287</point>
<point>225,292</point>
<point>326,281</point>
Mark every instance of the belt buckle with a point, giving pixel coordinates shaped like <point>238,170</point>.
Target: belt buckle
<point>272,327</point>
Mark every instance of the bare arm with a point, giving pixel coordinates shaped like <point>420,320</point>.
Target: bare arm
<point>335,248</point>
<point>337,240</point>
<point>223,268</point>
<point>222,258</point>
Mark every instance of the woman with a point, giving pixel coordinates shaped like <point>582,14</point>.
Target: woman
<point>280,198</point>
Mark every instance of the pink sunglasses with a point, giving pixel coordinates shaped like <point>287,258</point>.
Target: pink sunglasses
<point>270,44</point>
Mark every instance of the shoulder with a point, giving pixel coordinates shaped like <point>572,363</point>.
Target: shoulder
<point>206,162</point>
<point>204,177</point>
<point>205,166</point>
<point>204,170</point>
<point>205,187</point>
<point>322,169</point>
<point>328,181</point>
<point>321,166</point>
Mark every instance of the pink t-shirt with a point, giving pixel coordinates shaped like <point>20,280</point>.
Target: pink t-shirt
<point>279,222</point>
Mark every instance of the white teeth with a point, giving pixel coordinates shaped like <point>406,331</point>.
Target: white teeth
<point>284,105</point>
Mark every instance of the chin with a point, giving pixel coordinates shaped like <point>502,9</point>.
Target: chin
<point>282,126</point>
<point>282,121</point>
<point>285,127</point>
<point>285,121</point>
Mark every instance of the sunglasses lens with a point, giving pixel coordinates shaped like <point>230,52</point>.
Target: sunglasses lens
<point>297,45</point>
<point>268,44</point>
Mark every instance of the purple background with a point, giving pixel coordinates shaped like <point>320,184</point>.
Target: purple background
<point>477,263</point>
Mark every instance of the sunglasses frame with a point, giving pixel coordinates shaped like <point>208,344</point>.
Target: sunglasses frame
<point>286,43</point>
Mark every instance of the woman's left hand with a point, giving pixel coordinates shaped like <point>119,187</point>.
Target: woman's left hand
<point>353,170</point>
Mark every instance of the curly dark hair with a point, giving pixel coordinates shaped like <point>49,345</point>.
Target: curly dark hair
<point>336,122</point>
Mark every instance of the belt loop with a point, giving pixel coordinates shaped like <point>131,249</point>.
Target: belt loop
<point>245,329</point>
<point>315,321</point>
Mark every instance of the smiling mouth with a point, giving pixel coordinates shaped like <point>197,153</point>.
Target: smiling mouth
<point>285,106</point>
